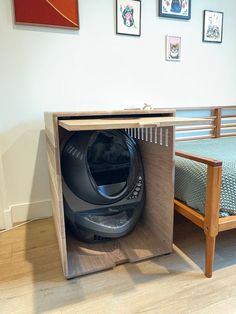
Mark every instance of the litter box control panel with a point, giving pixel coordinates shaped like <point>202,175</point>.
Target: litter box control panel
<point>136,190</point>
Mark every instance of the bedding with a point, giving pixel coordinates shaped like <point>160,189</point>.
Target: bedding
<point>190,176</point>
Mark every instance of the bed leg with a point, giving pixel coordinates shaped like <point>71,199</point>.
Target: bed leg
<point>211,221</point>
<point>210,252</point>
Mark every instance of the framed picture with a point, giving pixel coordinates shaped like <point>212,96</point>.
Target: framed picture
<point>53,13</point>
<point>173,48</point>
<point>128,17</point>
<point>178,9</point>
<point>213,26</point>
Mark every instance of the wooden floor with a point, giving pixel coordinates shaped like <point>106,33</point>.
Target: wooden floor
<point>31,279</point>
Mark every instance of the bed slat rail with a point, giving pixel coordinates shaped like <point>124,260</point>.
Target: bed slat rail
<point>222,123</point>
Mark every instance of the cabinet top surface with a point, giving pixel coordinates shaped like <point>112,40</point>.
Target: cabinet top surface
<point>111,112</point>
<point>124,122</point>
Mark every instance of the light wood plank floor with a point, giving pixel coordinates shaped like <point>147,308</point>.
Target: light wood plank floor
<point>31,280</point>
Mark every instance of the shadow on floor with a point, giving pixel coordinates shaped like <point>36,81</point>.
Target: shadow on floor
<point>190,239</point>
<point>38,284</point>
<point>38,261</point>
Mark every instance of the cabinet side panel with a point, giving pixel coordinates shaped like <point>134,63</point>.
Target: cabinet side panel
<point>51,127</point>
<point>53,155</point>
<point>158,161</point>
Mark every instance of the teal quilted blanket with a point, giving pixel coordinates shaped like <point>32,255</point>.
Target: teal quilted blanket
<point>190,176</point>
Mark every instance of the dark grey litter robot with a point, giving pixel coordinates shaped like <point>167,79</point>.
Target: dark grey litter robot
<point>103,184</point>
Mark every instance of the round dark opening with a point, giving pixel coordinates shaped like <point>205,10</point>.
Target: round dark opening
<point>108,159</point>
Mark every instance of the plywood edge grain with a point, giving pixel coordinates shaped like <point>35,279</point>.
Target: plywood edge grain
<point>159,111</point>
<point>51,128</point>
<point>122,123</point>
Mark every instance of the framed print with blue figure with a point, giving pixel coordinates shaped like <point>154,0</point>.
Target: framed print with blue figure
<point>128,17</point>
<point>178,9</point>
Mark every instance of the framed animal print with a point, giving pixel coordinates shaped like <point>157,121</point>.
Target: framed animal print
<point>213,26</point>
<point>178,9</point>
<point>128,17</point>
<point>173,48</point>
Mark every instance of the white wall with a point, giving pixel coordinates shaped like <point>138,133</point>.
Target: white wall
<point>2,207</point>
<point>2,225</point>
<point>3,201</point>
<point>45,69</point>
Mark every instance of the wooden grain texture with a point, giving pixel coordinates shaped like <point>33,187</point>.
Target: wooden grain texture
<point>202,108</point>
<point>229,116</point>
<point>228,135</point>
<point>122,123</point>
<point>230,126</point>
<point>58,211</point>
<point>126,112</point>
<point>217,122</point>
<point>201,159</point>
<point>209,255</point>
<point>210,222</point>
<point>53,154</point>
<point>31,279</point>
<point>142,244</point>
<point>227,223</point>
<point>139,245</point>
<point>212,204</point>
<point>189,213</point>
<point>212,212</point>
<point>51,128</point>
<point>188,138</point>
<point>84,259</point>
<point>153,236</point>
<point>195,128</point>
<point>158,161</point>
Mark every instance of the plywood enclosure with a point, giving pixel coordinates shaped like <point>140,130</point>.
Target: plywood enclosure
<point>153,234</point>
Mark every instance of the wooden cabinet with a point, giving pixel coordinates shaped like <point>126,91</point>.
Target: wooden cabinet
<point>154,131</point>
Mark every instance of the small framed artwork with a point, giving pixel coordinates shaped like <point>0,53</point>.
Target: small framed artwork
<point>173,48</point>
<point>128,17</point>
<point>52,13</point>
<point>178,9</point>
<point>213,26</point>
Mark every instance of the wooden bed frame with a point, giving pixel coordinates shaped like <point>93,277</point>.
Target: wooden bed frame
<point>221,125</point>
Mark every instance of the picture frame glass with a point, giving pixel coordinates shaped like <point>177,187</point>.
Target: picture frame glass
<point>213,26</point>
<point>175,9</point>
<point>173,48</point>
<point>128,17</point>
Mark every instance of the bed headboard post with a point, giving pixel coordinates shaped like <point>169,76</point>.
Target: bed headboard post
<point>217,122</point>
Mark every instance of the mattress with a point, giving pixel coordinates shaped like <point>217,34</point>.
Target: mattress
<point>190,176</point>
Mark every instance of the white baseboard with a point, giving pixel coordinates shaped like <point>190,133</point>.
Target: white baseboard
<point>7,218</point>
<point>28,211</point>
